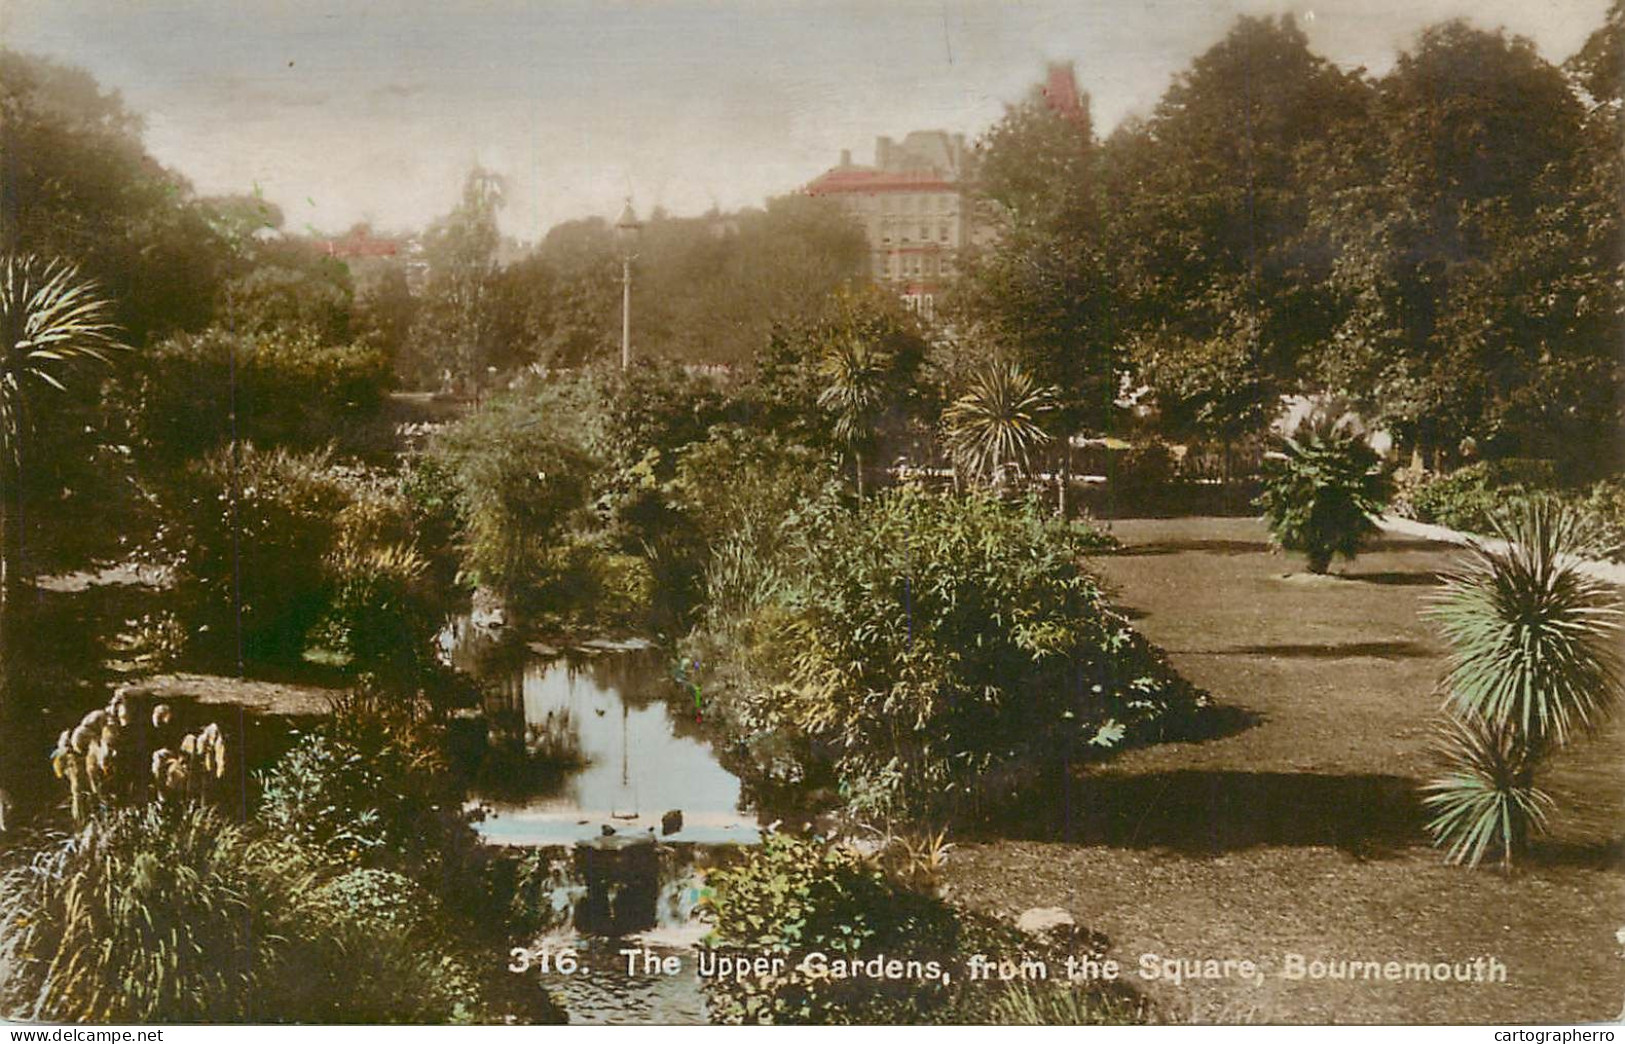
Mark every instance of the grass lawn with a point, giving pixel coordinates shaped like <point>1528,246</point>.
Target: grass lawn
<point>1298,829</point>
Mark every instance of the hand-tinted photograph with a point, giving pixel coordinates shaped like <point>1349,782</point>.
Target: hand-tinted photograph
<point>721,512</point>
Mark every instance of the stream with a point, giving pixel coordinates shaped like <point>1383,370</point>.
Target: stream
<point>569,746</point>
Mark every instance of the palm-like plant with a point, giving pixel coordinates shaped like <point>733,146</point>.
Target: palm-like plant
<point>997,422</point>
<point>1535,661</point>
<point>1534,637</point>
<point>51,318</point>
<point>1324,491</point>
<point>856,374</point>
<point>1487,794</point>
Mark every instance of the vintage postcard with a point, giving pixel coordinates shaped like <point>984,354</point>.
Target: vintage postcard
<point>716,512</point>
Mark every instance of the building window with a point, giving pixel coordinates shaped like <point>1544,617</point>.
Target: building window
<point>942,232</point>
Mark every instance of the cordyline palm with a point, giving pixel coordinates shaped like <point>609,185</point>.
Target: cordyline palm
<point>997,421</point>
<point>1534,662</point>
<point>856,374</point>
<point>52,318</point>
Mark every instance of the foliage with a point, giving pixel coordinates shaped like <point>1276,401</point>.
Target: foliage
<point>928,643</point>
<point>1534,661</point>
<point>1532,636</point>
<point>1469,498</point>
<point>171,913</point>
<point>249,534</point>
<point>1209,390</point>
<point>80,184</point>
<point>280,549</point>
<point>522,481</point>
<point>998,422</point>
<point>162,913</point>
<point>1061,1004</point>
<point>1209,216</point>
<point>368,789</point>
<point>743,525</point>
<point>194,393</point>
<point>51,319</point>
<point>452,330</point>
<point>1323,494</point>
<point>1486,799</point>
<point>1043,290</point>
<point>306,295</point>
<point>790,897</point>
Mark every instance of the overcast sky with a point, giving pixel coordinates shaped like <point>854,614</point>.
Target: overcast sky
<point>350,111</point>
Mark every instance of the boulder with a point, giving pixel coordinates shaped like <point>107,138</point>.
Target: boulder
<point>1050,923</point>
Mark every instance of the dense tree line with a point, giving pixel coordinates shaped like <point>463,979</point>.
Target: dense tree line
<point>1439,245</point>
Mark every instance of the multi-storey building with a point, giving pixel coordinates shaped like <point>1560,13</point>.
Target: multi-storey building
<point>914,208</point>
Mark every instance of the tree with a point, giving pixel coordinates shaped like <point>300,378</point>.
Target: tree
<point>867,357</point>
<point>76,181</point>
<point>453,329</point>
<point>1207,199</point>
<point>998,422</point>
<point>1043,289</point>
<point>1534,662</point>
<point>1213,390</point>
<point>1476,282</point>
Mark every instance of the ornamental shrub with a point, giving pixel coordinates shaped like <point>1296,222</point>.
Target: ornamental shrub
<point>927,644</point>
<point>1324,492</point>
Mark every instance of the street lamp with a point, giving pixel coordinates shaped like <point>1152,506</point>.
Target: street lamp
<point>627,228</point>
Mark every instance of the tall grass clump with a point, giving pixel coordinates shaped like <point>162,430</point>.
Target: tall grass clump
<point>1534,664</point>
<point>162,913</point>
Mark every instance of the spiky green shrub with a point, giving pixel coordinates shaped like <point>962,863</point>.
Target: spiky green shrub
<point>998,422</point>
<point>1534,662</point>
<point>1486,800</point>
<point>1323,492</point>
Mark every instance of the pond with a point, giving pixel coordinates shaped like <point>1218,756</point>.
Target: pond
<point>591,753</point>
<point>577,740</point>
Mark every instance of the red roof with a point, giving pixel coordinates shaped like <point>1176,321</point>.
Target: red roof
<point>867,179</point>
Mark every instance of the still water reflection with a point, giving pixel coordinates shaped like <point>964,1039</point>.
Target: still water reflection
<point>578,740</point>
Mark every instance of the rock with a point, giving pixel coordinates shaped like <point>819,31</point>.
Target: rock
<point>606,830</point>
<point>1048,922</point>
<point>487,610</point>
<point>672,821</point>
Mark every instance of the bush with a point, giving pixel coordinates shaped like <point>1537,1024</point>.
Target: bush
<point>1324,492</point>
<point>293,548</point>
<point>390,959</point>
<point>249,536</point>
<point>1470,498</point>
<point>791,897</point>
<point>369,788</point>
<point>521,483</point>
<point>930,644</point>
<point>286,388</point>
<point>162,913</point>
<point>170,913</point>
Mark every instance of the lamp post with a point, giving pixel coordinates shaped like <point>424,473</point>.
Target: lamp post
<point>627,228</point>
